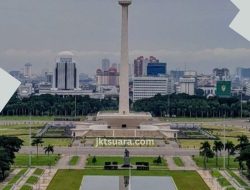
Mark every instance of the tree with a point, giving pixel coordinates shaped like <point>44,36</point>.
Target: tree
<point>206,152</point>
<point>218,147</point>
<point>49,149</point>
<point>243,142</point>
<point>5,162</point>
<point>8,147</point>
<point>158,160</point>
<point>245,156</point>
<point>229,147</point>
<point>36,142</point>
<point>94,160</point>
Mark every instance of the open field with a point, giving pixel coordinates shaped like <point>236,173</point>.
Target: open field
<point>41,160</point>
<point>22,132</point>
<point>212,162</point>
<point>22,118</point>
<point>231,134</point>
<point>71,179</point>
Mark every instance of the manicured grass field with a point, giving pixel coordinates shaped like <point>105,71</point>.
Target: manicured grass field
<point>22,118</point>
<point>212,162</point>
<point>71,179</point>
<point>74,160</point>
<point>100,160</point>
<point>22,132</point>
<point>41,160</point>
<point>178,161</point>
<point>15,179</point>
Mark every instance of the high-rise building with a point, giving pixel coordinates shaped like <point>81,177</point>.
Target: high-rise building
<point>243,73</point>
<point>221,74</point>
<point>107,78</point>
<point>139,66</point>
<point>176,75</point>
<point>27,70</point>
<point>147,87</point>
<point>156,69</point>
<point>187,85</point>
<point>105,64</point>
<point>66,72</point>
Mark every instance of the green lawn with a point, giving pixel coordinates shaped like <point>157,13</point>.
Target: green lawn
<point>212,162</point>
<point>38,171</point>
<point>26,187</point>
<point>74,160</point>
<point>102,159</point>
<point>178,161</point>
<point>32,180</point>
<point>15,179</point>
<point>41,160</point>
<point>71,179</point>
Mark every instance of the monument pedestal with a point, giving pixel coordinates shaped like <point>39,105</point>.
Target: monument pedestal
<point>127,121</point>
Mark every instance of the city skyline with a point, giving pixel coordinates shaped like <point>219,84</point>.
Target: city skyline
<point>29,36</point>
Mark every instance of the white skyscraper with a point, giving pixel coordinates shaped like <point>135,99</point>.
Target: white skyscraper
<point>66,72</point>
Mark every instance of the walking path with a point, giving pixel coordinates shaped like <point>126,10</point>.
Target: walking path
<point>12,174</point>
<point>231,180</point>
<point>23,179</point>
<point>242,177</point>
<point>45,179</point>
<point>209,180</point>
<point>63,163</point>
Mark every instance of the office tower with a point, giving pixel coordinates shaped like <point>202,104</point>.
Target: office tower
<point>156,69</point>
<point>66,72</point>
<point>27,70</point>
<point>105,64</point>
<point>147,87</point>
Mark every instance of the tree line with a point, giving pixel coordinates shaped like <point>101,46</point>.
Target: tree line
<point>57,105</point>
<point>183,105</point>
<point>180,105</point>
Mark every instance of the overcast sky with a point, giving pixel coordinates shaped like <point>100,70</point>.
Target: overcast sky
<point>191,34</point>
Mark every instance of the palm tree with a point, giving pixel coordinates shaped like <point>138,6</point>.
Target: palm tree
<point>49,149</point>
<point>230,147</point>
<point>36,143</point>
<point>218,147</point>
<point>206,152</point>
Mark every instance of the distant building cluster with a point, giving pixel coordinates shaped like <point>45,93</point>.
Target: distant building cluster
<point>148,77</point>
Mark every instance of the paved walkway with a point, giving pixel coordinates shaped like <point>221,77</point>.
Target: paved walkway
<point>23,179</point>
<point>209,180</point>
<point>63,162</point>
<point>45,179</point>
<point>11,175</point>
<point>242,177</point>
<point>231,180</point>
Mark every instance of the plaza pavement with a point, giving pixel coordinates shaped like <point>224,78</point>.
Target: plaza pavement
<point>152,151</point>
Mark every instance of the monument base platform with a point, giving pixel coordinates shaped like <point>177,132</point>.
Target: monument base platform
<point>120,121</point>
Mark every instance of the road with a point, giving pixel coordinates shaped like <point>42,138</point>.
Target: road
<point>115,151</point>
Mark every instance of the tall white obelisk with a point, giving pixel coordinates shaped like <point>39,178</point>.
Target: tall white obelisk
<point>124,63</point>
